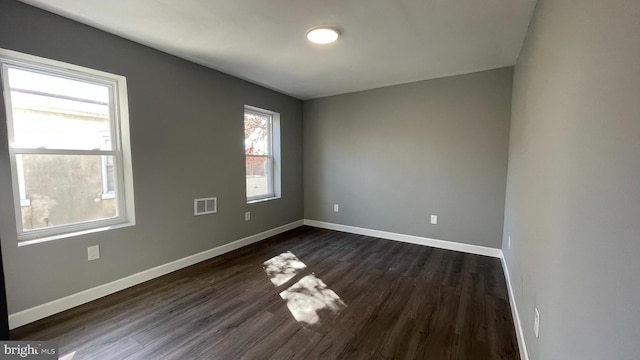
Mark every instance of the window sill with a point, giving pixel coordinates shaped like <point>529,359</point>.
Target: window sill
<point>263,199</point>
<point>73,234</point>
<point>108,195</point>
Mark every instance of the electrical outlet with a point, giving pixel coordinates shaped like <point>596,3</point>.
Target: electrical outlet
<point>509,242</point>
<point>434,219</point>
<point>93,252</point>
<point>336,207</point>
<point>536,323</point>
<point>247,216</point>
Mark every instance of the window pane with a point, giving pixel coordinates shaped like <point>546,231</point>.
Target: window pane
<point>256,134</point>
<point>58,113</point>
<point>65,189</point>
<point>258,176</point>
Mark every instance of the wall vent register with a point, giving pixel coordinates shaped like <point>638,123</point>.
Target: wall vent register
<point>205,206</point>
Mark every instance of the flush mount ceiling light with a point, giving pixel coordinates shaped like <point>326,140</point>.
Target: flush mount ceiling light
<point>322,35</point>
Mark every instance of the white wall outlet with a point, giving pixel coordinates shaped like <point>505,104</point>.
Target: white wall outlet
<point>247,216</point>
<point>93,252</point>
<point>434,219</point>
<point>509,242</point>
<point>536,323</point>
<point>336,207</point>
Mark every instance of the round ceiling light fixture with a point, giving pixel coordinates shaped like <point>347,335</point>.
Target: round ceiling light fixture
<point>322,35</point>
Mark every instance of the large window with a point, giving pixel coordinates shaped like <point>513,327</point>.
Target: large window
<point>69,146</point>
<point>262,153</point>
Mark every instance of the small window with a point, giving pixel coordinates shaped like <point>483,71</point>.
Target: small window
<point>262,153</point>
<point>69,147</point>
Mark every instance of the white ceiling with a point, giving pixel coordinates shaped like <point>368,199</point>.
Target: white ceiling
<point>383,42</point>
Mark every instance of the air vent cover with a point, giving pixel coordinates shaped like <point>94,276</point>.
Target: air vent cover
<point>205,206</point>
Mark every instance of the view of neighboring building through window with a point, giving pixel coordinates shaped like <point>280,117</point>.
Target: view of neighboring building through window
<point>108,178</point>
<point>261,141</point>
<point>67,155</point>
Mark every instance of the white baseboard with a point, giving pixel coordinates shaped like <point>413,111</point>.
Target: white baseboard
<point>411,239</point>
<point>524,355</point>
<point>41,311</point>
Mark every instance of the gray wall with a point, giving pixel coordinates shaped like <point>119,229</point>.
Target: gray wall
<point>390,157</point>
<point>187,142</point>
<point>573,193</point>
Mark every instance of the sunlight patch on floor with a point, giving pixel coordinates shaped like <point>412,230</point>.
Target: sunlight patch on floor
<point>283,268</point>
<point>309,297</point>
<point>69,356</point>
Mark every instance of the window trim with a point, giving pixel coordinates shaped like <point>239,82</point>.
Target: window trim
<point>121,147</point>
<point>274,168</point>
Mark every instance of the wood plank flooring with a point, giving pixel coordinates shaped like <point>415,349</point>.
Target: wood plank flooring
<point>321,295</point>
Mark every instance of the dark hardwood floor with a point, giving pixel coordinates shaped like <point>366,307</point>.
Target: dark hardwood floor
<point>304,294</point>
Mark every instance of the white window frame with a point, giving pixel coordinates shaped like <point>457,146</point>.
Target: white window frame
<point>121,147</point>
<point>273,156</point>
